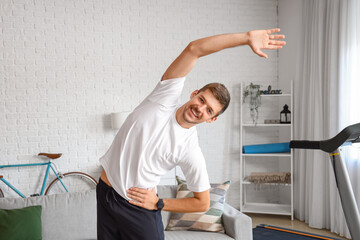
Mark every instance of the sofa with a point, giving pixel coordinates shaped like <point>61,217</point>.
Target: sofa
<point>73,216</point>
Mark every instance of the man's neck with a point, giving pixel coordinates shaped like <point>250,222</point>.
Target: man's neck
<point>180,119</point>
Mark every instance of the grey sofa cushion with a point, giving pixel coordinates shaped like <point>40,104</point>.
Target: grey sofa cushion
<point>187,235</point>
<point>64,216</point>
<point>237,225</point>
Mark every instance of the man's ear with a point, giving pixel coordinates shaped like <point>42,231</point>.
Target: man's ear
<point>194,93</point>
<point>211,120</point>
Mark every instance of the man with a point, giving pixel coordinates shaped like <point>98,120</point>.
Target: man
<point>159,135</point>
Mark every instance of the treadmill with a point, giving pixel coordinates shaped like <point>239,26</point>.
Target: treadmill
<point>347,136</point>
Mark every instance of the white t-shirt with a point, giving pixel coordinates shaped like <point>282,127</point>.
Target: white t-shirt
<point>151,142</point>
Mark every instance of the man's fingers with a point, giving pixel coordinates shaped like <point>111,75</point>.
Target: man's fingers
<point>280,43</point>
<point>139,190</point>
<point>274,30</point>
<point>273,47</point>
<point>135,193</point>
<point>134,197</point>
<point>136,203</point>
<point>276,36</point>
<point>261,54</point>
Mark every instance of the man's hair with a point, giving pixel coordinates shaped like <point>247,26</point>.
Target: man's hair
<point>221,94</point>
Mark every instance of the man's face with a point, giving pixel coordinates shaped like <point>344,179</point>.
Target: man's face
<point>202,107</point>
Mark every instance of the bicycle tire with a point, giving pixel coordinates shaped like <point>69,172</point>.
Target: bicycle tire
<point>74,182</point>
<point>1,194</point>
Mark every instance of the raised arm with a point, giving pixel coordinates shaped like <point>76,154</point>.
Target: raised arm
<point>257,40</point>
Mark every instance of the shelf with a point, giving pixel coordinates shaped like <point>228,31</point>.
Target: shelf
<point>267,154</point>
<point>276,95</point>
<point>267,208</point>
<point>266,198</point>
<point>267,184</point>
<point>267,125</point>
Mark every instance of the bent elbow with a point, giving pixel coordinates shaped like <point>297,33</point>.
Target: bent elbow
<point>193,48</point>
<point>205,207</point>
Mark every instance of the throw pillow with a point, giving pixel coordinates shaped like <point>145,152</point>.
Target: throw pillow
<point>23,223</point>
<point>200,221</point>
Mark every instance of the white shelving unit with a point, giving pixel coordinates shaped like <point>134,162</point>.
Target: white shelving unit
<point>266,198</point>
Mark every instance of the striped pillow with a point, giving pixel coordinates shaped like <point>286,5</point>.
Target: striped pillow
<point>200,221</point>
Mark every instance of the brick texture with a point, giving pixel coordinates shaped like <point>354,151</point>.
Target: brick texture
<point>66,65</point>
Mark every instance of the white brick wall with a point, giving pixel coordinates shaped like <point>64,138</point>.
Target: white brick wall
<point>66,65</point>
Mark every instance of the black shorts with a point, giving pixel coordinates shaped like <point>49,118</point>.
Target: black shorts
<point>119,219</point>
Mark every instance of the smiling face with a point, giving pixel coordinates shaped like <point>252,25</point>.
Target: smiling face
<point>202,107</point>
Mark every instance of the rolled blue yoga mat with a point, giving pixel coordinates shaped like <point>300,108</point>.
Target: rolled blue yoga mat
<point>267,148</point>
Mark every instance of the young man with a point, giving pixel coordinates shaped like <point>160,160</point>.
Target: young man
<point>159,135</point>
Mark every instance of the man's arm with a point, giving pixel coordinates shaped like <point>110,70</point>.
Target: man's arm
<point>147,199</point>
<point>257,40</point>
<point>199,203</point>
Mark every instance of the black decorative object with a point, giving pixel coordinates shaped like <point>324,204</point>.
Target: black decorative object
<point>285,115</point>
<point>270,91</point>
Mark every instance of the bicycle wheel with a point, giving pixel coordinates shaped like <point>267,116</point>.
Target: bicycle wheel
<point>74,182</point>
<point>1,194</point>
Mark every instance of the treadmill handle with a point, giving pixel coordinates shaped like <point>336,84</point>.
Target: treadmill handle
<point>305,144</point>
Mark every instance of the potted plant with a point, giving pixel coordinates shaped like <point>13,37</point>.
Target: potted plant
<point>253,91</point>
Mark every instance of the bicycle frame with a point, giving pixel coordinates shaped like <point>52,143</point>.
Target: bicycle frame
<point>49,166</point>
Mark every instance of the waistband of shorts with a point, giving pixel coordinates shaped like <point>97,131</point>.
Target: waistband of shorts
<point>111,189</point>
<point>104,183</point>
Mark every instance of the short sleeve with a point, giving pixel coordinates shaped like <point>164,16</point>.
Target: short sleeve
<point>168,92</point>
<point>194,168</point>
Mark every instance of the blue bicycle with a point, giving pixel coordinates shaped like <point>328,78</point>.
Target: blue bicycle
<point>63,182</point>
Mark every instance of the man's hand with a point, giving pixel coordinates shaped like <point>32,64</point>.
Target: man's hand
<point>143,198</point>
<point>260,39</point>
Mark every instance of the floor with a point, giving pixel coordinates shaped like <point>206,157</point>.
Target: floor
<point>285,221</point>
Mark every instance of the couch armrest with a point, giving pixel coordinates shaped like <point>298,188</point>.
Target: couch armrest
<point>237,225</point>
